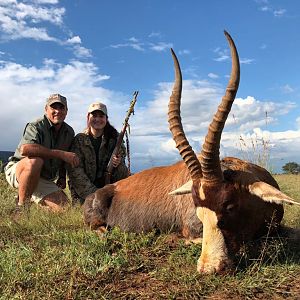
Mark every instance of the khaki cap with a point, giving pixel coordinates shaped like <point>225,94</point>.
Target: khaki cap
<point>97,106</point>
<point>54,98</point>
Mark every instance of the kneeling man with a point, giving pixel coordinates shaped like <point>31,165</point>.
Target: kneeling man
<point>37,168</point>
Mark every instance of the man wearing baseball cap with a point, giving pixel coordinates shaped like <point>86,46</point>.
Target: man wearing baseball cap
<point>37,168</point>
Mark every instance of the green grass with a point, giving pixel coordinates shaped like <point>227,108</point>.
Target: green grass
<point>290,184</point>
<point>53,256</point>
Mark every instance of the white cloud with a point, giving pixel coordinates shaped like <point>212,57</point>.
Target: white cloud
<point>213,76</point>
<point>161,46</point>
<point>133,40</point>
<point>46,1</point>
<point>131,43</point>
<point>287,89</point>
<point>21,74</point>
<point>246,61</point>
<point>249,113</point>
<point>155,35</point>
<point>136,44</point>
<point>6,2</point>
<point>82,52</point>
<point>20,20</point>
<point>184,52</point>
<point>38,14</point>
<point>169,146</point>
<point>223,55</point>
<point>191,71</point>
<point>263,47</point>
<point>279,12</point>
<point>74,40</point>
<point>265,6</point>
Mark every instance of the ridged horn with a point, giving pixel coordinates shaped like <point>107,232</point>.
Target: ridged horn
<point>175,125</point>
<point>209,159</point>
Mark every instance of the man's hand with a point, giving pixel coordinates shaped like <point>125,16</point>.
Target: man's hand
<point>61,182</point>
<point>116,160</point>
<point>71,158</point>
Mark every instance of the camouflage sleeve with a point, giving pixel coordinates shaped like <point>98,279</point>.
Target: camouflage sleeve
<point>80,182</point>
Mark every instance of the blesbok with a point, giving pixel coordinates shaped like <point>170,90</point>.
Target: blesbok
<point>235,200</point>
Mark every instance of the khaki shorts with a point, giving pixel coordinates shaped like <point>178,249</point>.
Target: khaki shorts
<point>44,187</point>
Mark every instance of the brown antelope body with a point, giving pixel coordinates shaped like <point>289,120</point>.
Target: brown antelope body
<point>236,201</point>
<point>141,203</point>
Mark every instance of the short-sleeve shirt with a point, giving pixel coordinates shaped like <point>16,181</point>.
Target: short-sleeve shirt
<point>42,132</point>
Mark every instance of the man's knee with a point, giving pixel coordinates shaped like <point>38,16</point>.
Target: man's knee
<point>29,165</point>
<point>35,163</point>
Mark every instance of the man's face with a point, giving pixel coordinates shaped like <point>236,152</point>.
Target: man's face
<point>56,113</point>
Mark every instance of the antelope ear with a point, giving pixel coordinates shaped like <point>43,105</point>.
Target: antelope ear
<point>269,193</point>
<point>184,189</point>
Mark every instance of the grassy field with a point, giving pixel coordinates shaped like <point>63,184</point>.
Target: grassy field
<point>53,256</point>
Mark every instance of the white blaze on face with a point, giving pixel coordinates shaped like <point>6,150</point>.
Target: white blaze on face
<point>214,256</point>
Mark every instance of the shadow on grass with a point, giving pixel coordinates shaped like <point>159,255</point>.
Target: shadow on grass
<point>283,249</point>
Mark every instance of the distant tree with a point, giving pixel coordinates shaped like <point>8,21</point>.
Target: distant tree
<point>291,168</point>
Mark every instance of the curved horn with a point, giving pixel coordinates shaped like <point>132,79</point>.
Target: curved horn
<point>210,161</point>
<point>176,128</point>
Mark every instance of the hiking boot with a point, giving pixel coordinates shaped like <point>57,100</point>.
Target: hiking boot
<point>19,211</point>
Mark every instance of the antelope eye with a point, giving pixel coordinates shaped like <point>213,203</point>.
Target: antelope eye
<point>230,207</point>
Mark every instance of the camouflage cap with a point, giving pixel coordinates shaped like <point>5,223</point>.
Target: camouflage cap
<point>54,98</point>
<point>97,106</point>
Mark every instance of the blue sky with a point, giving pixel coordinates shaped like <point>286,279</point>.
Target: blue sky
<point>94,50</point>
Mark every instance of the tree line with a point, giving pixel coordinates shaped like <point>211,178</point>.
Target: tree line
<point>291,168</point>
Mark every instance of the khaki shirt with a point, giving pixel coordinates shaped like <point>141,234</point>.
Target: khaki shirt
<point>41,132</point>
